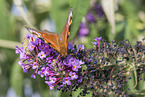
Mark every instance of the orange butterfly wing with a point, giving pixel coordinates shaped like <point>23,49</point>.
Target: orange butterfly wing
<point>58,42</point>
<point>50,38</point>
<point>65,33</point>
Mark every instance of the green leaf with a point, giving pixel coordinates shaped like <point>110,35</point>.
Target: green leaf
<point>130,83</point>
<point>131,32</point>
<point>119,36</point>
<point>80,8</point>
<point>54,93</point>
<point>140,93</point>
<point>108,7</point>
<point>130,12</point>
<point>17,78</point>
<point>93,34</point>
<point>65,94</point>
<point>78,91</point>
<point>141,82</point>
<point>130,8</point>
<point>6,22</point>
<point>59,12</point>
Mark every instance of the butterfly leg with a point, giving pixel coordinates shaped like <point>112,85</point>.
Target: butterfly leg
<point>57,57</point>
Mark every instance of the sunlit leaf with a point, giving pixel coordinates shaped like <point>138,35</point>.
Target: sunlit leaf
<point>108,7</point>
<point>59,12</point>
<point>93,34</point>
<point>65,94</point>
<point>130,12</point>
<point>141,82</point>
<point>80,8</point>
<point>130,83</point>
<point>78,91</point>
<point>131,32</point>
<point>6,22</point>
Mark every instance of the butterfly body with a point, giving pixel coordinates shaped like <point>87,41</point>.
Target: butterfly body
<point>58,41</point>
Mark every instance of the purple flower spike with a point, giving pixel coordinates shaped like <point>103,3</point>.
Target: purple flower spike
<point>73,75</point>
<point>66,80</point>
<point>42,55</point>
<point>90,18</point>
<point>99,10</point>
<point>83,30</point>
<point>83,25</point>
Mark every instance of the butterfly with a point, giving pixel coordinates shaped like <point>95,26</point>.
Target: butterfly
<point>57,41</point>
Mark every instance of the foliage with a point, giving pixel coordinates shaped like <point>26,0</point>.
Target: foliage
<point>129,24</point>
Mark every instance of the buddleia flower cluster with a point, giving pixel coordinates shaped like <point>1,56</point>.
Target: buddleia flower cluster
<point>102,70</point>
<point>39,56</point>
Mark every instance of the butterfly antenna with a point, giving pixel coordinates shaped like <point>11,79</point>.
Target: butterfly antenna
<point>28,28</point>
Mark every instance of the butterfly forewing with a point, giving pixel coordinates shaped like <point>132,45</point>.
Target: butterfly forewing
<point>65,33</point>
<point>51,39</point>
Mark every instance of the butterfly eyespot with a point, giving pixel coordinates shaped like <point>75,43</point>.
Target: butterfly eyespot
<point>71,18</point>
<point>41,38</point>
<point>33,33</point>
<point>49,43</point>
<point>69,28</point>
<point>68,36</point>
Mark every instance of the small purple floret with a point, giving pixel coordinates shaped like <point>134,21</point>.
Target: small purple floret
<point>98,39</point>
<point>66,80</point>
<point>81,47</point>
<point>94,43</point>
<point>42,55</point>
<point>73,75</point>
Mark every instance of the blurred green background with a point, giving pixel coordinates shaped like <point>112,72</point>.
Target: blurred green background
<point>110,19</point>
